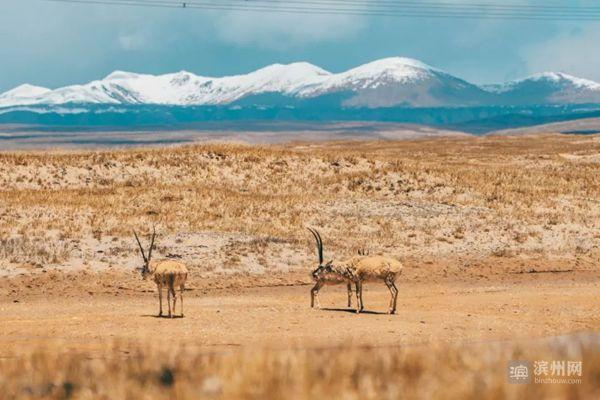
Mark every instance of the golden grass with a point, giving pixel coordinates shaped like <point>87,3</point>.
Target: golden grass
<point>434,372</point>
<point>493,195</point>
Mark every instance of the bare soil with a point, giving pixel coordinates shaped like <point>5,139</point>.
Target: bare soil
<point>507,307</point>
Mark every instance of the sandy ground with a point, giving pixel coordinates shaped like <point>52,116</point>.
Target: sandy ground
<point>509,307</point>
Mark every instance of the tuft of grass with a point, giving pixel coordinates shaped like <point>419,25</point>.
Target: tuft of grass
<point>34,250</point>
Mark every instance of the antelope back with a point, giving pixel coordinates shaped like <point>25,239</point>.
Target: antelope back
<point>170,273</point>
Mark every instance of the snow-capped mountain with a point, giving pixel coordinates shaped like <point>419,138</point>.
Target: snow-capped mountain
<point>397,81</point>
<point>387,82</point>
<point>24,94</point>
<point>547,88</point>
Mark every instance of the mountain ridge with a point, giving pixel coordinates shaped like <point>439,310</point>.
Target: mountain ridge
<point>388,82</point>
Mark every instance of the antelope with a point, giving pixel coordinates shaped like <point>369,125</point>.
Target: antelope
<point>358,270</point>
<point>376,268</point>
<point>326,275</point>
<point>167,273</point>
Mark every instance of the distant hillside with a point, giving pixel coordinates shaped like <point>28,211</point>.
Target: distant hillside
<point>476,120</point>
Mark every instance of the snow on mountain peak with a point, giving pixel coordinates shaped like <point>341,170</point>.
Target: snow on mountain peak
<point>121,76</point>
<point>297,69</point>
<point>281,76</point>
<point>558,77</point>
<point>402,80</point>
<point>395,62</point>
<point>399,68</point>
<point>25,90</point>
<point>183,78</point>
<point>186,88</point>
<point>287,79</point>
<point>372,75</point>
<point>23,94</point>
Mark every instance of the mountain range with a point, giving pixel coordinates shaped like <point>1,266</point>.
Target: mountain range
<point>385,83</point>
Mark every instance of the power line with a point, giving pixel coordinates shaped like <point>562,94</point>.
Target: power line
<point>402,4</point>
<point>383,5</point>
<point>352,11</point>
<point>118,3</point>
<point>416,10</point>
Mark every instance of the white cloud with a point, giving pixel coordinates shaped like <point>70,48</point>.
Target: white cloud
<point>135,41</point>
<point>575,52</point>
<point>279,31</point>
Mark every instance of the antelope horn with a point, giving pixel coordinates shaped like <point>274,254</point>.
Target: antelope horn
<point>320,247</point>
<point>152,243</point>
<point>140,245</point>
<point>317,237</point>
<point>319,243</point>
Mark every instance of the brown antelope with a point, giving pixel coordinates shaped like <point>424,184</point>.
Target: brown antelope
<point>357,270</point>
<point>167,273</point>
<point>325,275</point>
<point>375,268</point>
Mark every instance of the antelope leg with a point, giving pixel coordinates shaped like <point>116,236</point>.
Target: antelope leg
<point>349,294</point>
<point>160,300</point>
<point>314,295</point>
<point>359,305</point>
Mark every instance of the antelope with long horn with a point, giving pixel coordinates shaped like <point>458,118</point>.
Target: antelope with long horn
<point>326,275</point>
<point>358,270</point>
<point>166,273</point>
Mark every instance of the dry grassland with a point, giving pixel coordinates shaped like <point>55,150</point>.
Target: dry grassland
<point>470,198</point>
<point>500,237</point>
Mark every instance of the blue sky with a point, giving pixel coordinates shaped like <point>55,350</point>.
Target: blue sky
<point>55,44</point>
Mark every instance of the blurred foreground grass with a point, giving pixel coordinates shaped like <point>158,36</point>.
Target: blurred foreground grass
<point>440,371</point>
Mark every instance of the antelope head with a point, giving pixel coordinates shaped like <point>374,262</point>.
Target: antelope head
<point>145,268</point>
<point>322,272</point>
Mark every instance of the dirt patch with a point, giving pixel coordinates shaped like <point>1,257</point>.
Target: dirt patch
<point>521,306</point>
